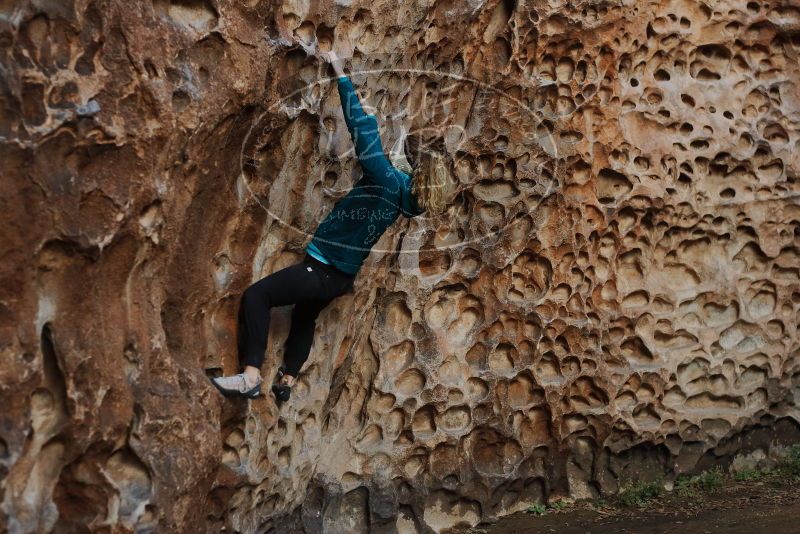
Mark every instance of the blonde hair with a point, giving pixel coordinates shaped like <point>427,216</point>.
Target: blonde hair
<point>424,160</point>
<point>429,182</point>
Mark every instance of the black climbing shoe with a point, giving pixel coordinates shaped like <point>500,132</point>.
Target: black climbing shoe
<point>281,372</point>
<point>281,391</point>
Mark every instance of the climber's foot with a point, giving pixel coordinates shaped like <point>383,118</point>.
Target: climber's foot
<point>283,387</point>
<point>280,373</point>
<point>239,384</point>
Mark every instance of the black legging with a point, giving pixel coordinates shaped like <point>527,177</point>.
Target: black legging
<point>310,285</point>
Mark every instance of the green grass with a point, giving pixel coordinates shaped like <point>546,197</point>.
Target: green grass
<point>541,509</point>
<point>687,489</point>
<point>536,509</point>
<point>641,494</point>
<point>559,505</point>
<point>789,466</point>
<point>750,475</point>
<point>695,486</point>
<point>600,503</point>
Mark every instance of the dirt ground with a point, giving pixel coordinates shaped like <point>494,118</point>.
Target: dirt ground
<point>739,508</point>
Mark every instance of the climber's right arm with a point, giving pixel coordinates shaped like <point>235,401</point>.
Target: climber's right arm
<point>363,128</point>
<point>351,105</point>
<point>365,132</point>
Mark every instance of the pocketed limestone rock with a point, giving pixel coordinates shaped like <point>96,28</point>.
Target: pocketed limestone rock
<point>614,294</point>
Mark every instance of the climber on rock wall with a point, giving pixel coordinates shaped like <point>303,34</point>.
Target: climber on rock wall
<point>415,182</point>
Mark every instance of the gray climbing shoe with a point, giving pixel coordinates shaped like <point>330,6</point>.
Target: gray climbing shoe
<point>237,385</point>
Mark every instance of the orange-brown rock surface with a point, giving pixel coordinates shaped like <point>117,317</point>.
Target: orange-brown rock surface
<point>614,295</point>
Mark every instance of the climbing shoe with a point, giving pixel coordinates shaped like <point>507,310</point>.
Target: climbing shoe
<point>237,385</point>
<point>282,391</point>
<point>281,372</point>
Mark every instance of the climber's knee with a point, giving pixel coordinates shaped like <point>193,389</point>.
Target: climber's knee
<point>305,311</point>
<point>256,294</point>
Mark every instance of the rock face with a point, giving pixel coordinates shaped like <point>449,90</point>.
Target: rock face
<point>614,295</point>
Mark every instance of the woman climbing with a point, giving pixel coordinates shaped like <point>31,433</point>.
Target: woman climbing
<point>412,184</point>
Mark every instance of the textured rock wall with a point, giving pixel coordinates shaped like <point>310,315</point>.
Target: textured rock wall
<point>614,295</point>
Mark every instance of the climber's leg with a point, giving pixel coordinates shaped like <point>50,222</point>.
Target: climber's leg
<point>301,335</point>
<point>296,283</point>
<point>308,281</point>
<point>304,317</point>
